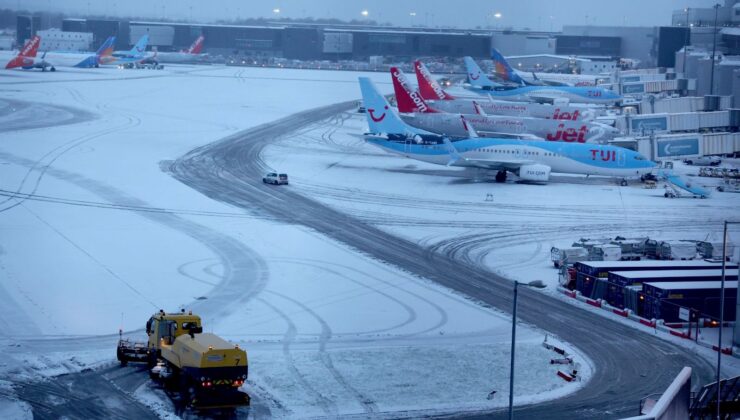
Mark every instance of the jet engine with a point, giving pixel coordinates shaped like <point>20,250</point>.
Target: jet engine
<point>534,172</point>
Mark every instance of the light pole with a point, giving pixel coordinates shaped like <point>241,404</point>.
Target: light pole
<point>686,42</point>
<point>539,285</point>
<point>714,49</point>
<point>722,312</point>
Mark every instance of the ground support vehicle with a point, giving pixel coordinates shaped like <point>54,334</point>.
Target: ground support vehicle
<point>205,370</point>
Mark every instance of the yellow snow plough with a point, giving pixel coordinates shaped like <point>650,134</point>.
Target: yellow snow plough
<point>206,370</point>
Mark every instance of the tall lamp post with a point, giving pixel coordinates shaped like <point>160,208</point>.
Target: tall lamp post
<point>686,41</point>
<point>536,284</point>
<point>714,50</point>
<point>722,312</point>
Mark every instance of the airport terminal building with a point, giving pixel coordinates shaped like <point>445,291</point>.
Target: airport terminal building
<point>314,41</point>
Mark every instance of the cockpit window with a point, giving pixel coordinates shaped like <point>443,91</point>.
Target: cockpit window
<point>639,157</point>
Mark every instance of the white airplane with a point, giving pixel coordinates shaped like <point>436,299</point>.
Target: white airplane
<point>530,160</point>
<point>192,54</point>
<point>416,112</point>
<point>25,57</point>
<point>430,90</point>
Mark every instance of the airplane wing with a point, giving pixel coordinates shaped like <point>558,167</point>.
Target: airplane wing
<point>494,164</point>
<point>544,98</point>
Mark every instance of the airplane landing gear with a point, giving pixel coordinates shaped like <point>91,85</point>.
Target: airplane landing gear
<point>623,182</point>
<point>501,176</point>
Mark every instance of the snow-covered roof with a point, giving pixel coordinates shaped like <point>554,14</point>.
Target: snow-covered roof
<point>652,274</point>
<point>560,57</point>
<point>692,285</point>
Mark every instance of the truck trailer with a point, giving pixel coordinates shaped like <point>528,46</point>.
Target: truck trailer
<point>589,272</point>
<point>664,299</point>
<point>618,280</point>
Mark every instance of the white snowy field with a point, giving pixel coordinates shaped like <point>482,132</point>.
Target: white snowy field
<point>94,237</point>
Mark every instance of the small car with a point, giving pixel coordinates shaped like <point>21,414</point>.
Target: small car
<point>275,178</point>
<point>703,161</point>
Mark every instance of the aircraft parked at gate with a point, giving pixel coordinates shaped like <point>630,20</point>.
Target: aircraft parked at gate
<point>430,90</point>
<point>53,59</point>
<point>530,160</point>
<point>416,112</point>
<point>192,54</point>
<point>503,70</point>
<point>135,55</point>
<point>481,84</point>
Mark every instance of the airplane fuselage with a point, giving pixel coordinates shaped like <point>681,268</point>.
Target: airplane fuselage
<point>565,158</point>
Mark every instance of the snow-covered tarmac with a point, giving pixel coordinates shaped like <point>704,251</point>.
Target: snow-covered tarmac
<point>94,236</point>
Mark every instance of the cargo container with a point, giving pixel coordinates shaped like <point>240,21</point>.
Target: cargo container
<point>588,271</point>
<point>618,280</point>
<point>663,300</point>
<point>565,256</point>
<point>676,250</point>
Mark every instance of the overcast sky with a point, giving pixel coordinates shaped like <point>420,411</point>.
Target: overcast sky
<point>535,14</point>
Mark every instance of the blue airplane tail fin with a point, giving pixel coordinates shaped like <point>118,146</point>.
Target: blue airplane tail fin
<point>503,69</point>
<point>140,46</point>
<point>476,76</point>
<point>381,117</point>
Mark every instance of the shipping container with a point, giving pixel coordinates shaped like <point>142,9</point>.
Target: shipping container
<point>588,271</point>
<point>619,279</point>
<point>663,300</point>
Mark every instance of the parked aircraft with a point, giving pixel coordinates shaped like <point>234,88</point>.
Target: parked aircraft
<point>480,83</point>
<point>25,57</point>
<point>135,55</point>
<point>503,70</point>
<point>431,90</point>
<point>416,112</point>
<point>54,59</point>
<point>189,55</point>
<point>530,160</point>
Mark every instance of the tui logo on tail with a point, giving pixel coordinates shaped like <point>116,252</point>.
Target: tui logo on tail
<point>371,111</point>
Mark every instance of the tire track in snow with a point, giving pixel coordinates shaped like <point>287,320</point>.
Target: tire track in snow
<point>327,406</point>
<point>367,404</point>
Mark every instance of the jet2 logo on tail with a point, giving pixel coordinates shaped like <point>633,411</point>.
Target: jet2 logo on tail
<point>568,134</point>
<point>372,115</point>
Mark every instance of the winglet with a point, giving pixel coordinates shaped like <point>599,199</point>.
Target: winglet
<point>468,128</point>
<point>454,154</point>
<point>478,109</point>
<point>407,98</point>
